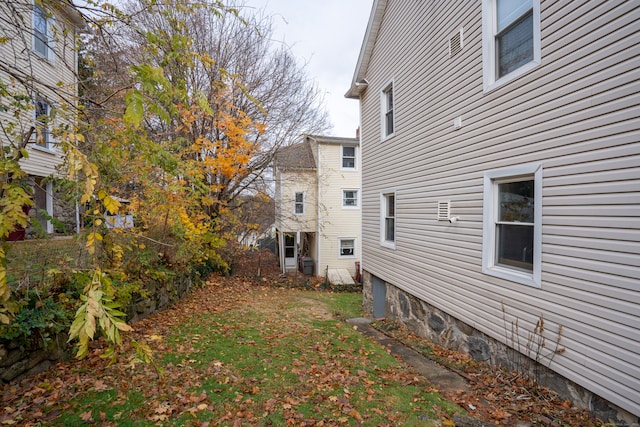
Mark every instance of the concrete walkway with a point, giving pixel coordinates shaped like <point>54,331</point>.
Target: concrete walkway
<point>439,376</point>
<point>442,378</point>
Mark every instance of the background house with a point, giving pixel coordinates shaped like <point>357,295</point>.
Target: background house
<point>38,62</point>
<point>317,202</point>
<point>501,171</point>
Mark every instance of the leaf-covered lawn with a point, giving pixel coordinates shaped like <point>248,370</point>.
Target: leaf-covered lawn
<point>236,353</point>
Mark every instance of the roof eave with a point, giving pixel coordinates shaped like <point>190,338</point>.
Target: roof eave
<point>358,82</point>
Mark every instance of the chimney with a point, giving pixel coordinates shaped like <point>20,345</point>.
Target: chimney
<point>358,132</point>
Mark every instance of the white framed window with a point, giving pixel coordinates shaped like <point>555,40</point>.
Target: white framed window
<point>388,219</point>
<point>348,157</point>
<point>388,116</point>
<point>510,40</point>
<point>512,224</point>
<point>42,33</point>
<point>349,198</point>
<point>42,119</point>
<point>298,203</point>
<point>347,248</point>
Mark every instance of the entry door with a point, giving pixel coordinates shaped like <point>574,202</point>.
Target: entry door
<point>290,251</point>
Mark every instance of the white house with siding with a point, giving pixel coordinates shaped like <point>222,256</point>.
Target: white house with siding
<point>317,200</point>
<point>38,61</point>
<point>501,184</point>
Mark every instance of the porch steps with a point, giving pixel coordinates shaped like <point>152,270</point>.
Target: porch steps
<point>339,276</point>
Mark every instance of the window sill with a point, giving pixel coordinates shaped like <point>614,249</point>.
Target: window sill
<point>44,149</point>
<point>387,244</point>
<point>387,137</point>
<point>490,86</point>
<point>512,275</point>
<point>43,58</point>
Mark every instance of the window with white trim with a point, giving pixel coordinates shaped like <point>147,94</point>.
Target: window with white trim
<point>298,207</point>
<point>42,119</point>
<point>512,229</point>
<point>42,31</point>
<point>349,198</point>
<point>388,219</point>
<point>388,119</point>
<point>511,39</point>
<point>348,157</point>
<point>347,248</point>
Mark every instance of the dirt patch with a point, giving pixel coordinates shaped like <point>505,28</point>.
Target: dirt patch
<point>315,308</point>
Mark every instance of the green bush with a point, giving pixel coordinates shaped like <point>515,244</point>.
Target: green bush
<point>40,318</point>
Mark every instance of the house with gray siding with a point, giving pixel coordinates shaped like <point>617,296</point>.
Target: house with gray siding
<point>501,185</point>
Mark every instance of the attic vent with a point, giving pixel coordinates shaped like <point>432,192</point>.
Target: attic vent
<point>456,43</point>
<point>444,207</point>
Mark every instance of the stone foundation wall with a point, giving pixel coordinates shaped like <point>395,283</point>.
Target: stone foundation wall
<point>21,359</point>
<point>447,331</point>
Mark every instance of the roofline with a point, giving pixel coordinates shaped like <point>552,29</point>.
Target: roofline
<point>358,82</point>
<point>332,139</point>
<point>71,13</point>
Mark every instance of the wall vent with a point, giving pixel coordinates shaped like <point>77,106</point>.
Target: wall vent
<point>456,43</point>
<point>444,207</point>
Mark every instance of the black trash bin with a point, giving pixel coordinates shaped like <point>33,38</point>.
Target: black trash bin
<point>307,265</point>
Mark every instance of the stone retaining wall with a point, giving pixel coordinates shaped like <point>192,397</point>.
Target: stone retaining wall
<point>19,359</point>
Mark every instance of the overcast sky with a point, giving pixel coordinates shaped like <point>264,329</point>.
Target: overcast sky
<point>326,36</point>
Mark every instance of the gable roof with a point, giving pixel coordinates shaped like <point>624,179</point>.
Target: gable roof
<point>332,140</point>
<point>358,82</point>
<point>296,156</point>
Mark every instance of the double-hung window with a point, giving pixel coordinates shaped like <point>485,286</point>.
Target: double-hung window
<point>347,248</point>
<point>388,119</point>
<point>348,157</point>
<point>511,39</point>
<point>349,198</point>
<point>388,219</point>
<point>42,33</point>
<point>42,118</point>
<point>298,204</point>
<point>512,224</point>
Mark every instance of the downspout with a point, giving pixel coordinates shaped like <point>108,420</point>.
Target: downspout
<point>75,54</point>
<point>281,252</point>
<point>318,215</point>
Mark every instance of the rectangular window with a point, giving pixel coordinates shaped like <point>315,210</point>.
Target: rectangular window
<point>41,32</point>
<point>350,198</point>
<point>388,220</point>
<point>42,118</point>
<point>348,157</point>
<point>512,224</point>
<point>387,109</point>
<point>511,39</point>
<point>299,203</point>
<point>347,247</point>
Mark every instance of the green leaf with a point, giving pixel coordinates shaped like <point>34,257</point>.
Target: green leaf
<point>135,108</point>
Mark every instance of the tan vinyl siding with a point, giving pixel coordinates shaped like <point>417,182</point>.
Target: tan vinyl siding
<point>59,72</point>
<point>577,114</point>
<point>335,221</point>
<point>288,183</point>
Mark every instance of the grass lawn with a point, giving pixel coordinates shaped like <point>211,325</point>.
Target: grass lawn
<point>239,354</point>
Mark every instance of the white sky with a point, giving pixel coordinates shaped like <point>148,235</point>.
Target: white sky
<point>326,36</point>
